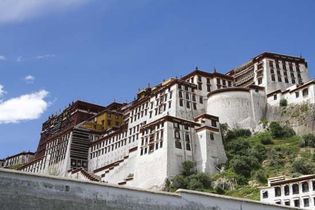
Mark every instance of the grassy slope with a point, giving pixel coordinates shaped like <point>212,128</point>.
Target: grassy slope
<point>290,150</point>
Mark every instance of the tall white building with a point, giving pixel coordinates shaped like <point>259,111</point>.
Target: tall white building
<point>143,143</point>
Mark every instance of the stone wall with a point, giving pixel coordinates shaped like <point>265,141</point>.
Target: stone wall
<point>20,190</point>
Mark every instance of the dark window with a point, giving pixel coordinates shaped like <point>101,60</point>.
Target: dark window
<point>201,99</point>
<point>180,94</point>
<point>180,102</point>
<point>208,87</point>
<point>188,104</point>
<point>213,123</point>
<point>187,96</point>
<point>305,187</point>
<point>287,203</point>
<point>265,194</point>
<point>284,66</point>
<point>306,202</point>
<point>195,106</point>
<point>295,189</point>
<point>178,144</point>
<point>273,77</point>
<point>313,183</point>
<point>279,78</point>
<point>277,191</point>
<point>211,136</point>
<point>297,203</point>
<point>286,190</point>
<point>177,134</point>
<point>275,97</point>
<point>200,86</point>
<point>305,92</point>
<point>199,78</point>
<point>188,147</point>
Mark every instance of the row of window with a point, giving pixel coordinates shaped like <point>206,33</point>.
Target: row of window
<point>284,65</point>
<point>109,140</point>
<point>296,202</point>
<point>108,149</point>
<point>295,189</point>
<point>297,94</point>
<point>152,139</point>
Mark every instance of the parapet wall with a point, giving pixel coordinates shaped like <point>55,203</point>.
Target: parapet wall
<point>19,190</point>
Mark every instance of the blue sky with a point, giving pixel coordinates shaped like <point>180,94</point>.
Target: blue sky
<point>55,51</point>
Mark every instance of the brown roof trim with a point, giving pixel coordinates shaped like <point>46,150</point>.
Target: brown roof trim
<point>133,149</point>
<point>274,92</point>
<point>206,74</point>
<point>160,88</point>
<point>85,173</point>
<point>268,55</point>
<point>207,116</point>
<point>298,179</point>
<point>256,87</point>
<point>108,166</point>
<point>278,56</point>
<point>170,119</point>
<point>293,90</point>
<point>231,89</point>
<point>208,128</point>
<point>303,86</point>
<point>21,153</point>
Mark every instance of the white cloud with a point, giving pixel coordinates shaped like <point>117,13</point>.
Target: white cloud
<point>2,92</point>
<point>2,58</point>
<point>29,79</point>
<point>19,10</point>
<point>25,107</point>
<point>45,56</point>
<point>19,59</point>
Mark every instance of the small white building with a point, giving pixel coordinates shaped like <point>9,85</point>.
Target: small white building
<point>18,159</point>
<point>296,94</point>
<point>295,192</point>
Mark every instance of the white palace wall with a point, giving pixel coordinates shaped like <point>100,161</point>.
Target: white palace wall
<point>238,107</point>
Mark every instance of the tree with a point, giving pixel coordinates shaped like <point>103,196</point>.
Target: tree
<point>277,131</point>
<point>283,102</point>
<point>308,140</point>
<point>243,165</point>
<point>188,168</point>
<point>303,166</point>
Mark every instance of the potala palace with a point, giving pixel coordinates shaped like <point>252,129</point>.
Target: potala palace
<point>143,143</point>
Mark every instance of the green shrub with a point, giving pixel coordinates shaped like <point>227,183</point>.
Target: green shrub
<point>283,102</point>
<point>260,176</point>
<point>238,146</point>
<point>188,168</point>
<point>308,140</point>
<point>259,151</point>
<point>277,131</point>
<point>199,181</point>
<point>236,133</point>
<point>180,181</point>
<point>303,166</point>
<point>243,165</point>
<point>265,138</point>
